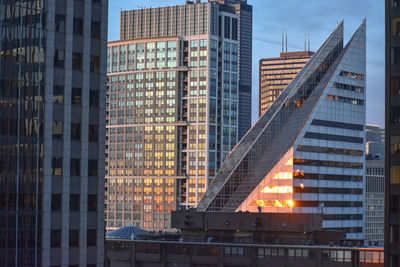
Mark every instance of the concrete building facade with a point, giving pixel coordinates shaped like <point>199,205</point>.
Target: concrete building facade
<point>276,73</point>
<point>172,109</point>
<point>52,113</point>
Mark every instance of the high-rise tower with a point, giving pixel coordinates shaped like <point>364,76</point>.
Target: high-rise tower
<point>52,133</point>
<point>306,152</point>
<point>392,133</point>
<point>172,109</point>
<point>276,73</point>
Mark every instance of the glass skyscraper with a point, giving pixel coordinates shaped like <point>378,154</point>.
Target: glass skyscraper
<point>172,109</point>
<point>52,133</point>
<point>306,152</point>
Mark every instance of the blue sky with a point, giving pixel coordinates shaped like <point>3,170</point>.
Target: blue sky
<point>316,17</point>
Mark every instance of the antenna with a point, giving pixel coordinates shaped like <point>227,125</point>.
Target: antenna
<point>309,43</point>
<point>283,41</point>
<point>286,40</point>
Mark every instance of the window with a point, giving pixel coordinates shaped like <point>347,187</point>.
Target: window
<point>57,130</point>
<point>74,200</point>
<point>75,131</point>
<point>95,30</point>
<point>75,167</point>
<point>56,166</point>
<point>92,202</point>
<point>74,238</point>
<point>76,61</point>
<point>76,96</point>
<point>93,133</point>
<point>193,44</point>
<point>55,239</point>
<point>395,174</point>
<point>91,238</point>
<point>94,98</point>
<point>60,23</point>
<point>58,94</point>
<point>59,58</point>
<point>95,64</point>
<point>78,26</point>
<point>92,167</point>
<point>56,202</point>
<point>227,27</point>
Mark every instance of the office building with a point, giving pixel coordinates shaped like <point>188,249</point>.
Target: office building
<point>392,133</point>
<point>374,201</point>
<point>374,185</point>
<point>172,110</point>
<point>276,73</point>
<point>52,116</point>
<point>175,21</point>
<point>306,152</point>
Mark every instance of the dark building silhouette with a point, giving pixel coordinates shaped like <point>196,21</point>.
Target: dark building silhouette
<point>392,133</point>
<point>52,132</point>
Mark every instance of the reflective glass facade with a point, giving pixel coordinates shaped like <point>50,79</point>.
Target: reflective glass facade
<point>296,156</point>
<point>52,133</point>
<point>172,116</point>
<point>22,28</point>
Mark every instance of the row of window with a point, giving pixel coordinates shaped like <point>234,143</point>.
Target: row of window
<point>78,26</point>
<point>346,100</point>
<point>75,167</point>
<point>324,163</point>
<point>330,150</point>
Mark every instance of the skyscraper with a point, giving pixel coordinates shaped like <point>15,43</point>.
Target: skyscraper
<point>133,28</point>
<point>52,117</point>
<point>276,73</point>
<point>374,184</point>
<point>306,152</point>
<point>245,14</point>
<point>172,109</point>
<point>392,133</point>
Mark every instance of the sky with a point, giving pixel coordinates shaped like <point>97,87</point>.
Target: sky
<point>316,17</point>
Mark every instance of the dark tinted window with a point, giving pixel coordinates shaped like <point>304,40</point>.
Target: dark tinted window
<point>77,61</point>
<point>56,202</point>
<point>73,238</point>
<point>55,239</point>
<point>59,58</point>
<point>92,167</point>
<point>92,202</point>
<point>76,96</point>
<point>75,131</point>
<point>78,26</point>
<point>74,202</point>
<point>91,238</point>
<point>96,29</point>
<point>93,133</point>
<point>75,167</point>
<point>60,23</point>
<point>94,98</point>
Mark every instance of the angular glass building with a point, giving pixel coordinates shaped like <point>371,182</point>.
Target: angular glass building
<point>306,152</point>
<point>52,132</point>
